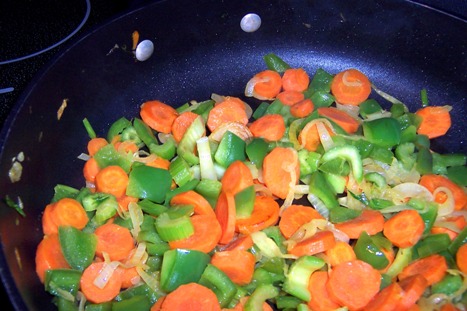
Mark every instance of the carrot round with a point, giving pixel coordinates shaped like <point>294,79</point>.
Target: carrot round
<point>158,304</point>
<point>265,214</point>
<point>405,228</point>
<point>388,299</point>
<point>130,277</point>
<point>48,225</point>
<point>206,236</point>
<point>264,85</point>
<point>271,127</point>
<point>341,252</point>
<point>341,118</point>
<point>158,115</point>
<point>309,137</point>
<point>320,300</point>
<point>280,168</point>
<point>432,181</point>
<point>49,256</point>
<point>90,170</point>
<point>238,265</point>
<point>94,293</point>
<point>353,284</point>
<point>236,178</point>
<point>289,98</point>
<point>126,146</point>
<point>241,242</point>
<point>226,214</point>
<point>241,304</point>
<point>320,242</point>
<point>432,267</point>
<point>413,287</point>
<point>191,197</point>
<point>95,144</point>
<point>231,109</point>
<point>461,258</point>
<point>459,221</point>
<point>124,201</point>
<point>370,221</point>
<point>181,123</point>
<point>114,240</point>
<point>191,297</point>
<point>112,180</point>
<point>350,87</point>
<point>436,121</point>
<point>69,212</point>
<point>294,217</point>
<point>302,108</point>
<point>159,162</point>
<point>295,79</point>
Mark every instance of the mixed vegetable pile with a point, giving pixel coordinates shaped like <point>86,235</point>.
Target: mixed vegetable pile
<point>317,198</point>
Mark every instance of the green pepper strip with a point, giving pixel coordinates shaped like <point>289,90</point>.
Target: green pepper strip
<point>384,132</point>
<point>367,250</point>
<point>432,244</point>
<point>60,281</point>
<point>404,153</point>
<point>182,266</point>
<point>78,247</point>
<point>403,258</point>
<point>274,62</point>
<point>117,127</point>
<point>135,303</point>
<point>105,306</point>
<point>460,240</point>
<point>231,148</point>
<point>219,283</point>
<point>89,129</point>
<point>299,274</point>
<point>108,155</point>
<point>262,293</point>
<point>322,190</point>
<point>349,153</point>
<point>450,284</point>
<point>146,182</point>
<point>256,150</point>
<point>424,162</point>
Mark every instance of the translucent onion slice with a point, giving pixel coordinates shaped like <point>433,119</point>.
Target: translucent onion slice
<point>143,156</point>
<point>82,300</point>
<point>324,136</point>
<point>447,207</point>
<point>217,98</point>
<point>267,246</point>
<point>151,280</point>
<point>313,123</point>
<point>84,156</point>
<point>262,190</point>
<point>410,190</point>
<point>136,216</point>
<point>237,128</point>
<point>388,97</point>
<point>105,274</point>
<point>346,82</point>
<point>318,205</point>
<point>139,254</point>
<point>378,115</point>
<point>350,109</point>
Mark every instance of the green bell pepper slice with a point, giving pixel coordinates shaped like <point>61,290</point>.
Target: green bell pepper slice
<point>244,202</point>
<point>145,133</point>
<point>209,189</point>
<point>460,240</point>
<point>384,132</point>
<point>369,106</point>
<point>367,250</point>
<point>231,148</point>
<point>297,280</point>
<point>350,154</point>
<point>135,303</point>
<point>58,281</point>
<point>108,155</point>
<point>78,247</point>
<point>424,161</point>
<point>256,150</point>
<point>432,244</point>
<point>260,295</point>
<point>450,284</point>
<point>274,62</point>
<point>105,306</point>
<point>64,304</point>
<point>322,190</point>
<point>146,182</point>
<point>182,266</point>
<point>216,280</point>
<point>117,128</point>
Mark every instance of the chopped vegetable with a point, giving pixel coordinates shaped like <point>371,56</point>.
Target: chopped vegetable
<point>319,198</point>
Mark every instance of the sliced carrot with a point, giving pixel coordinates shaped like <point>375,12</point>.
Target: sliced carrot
<point>158,304</point>
<point>461,258</point>
<point>112,180</point>
<point>265,213</point>
<point>182,123</point>
<point>124,201</point>
<point>265,85</point>
<point>159,162</point>
<point>241,304</point>
<point>48,225</point>
<point>226,214</point>
<point>134,39</point>
<point>49,256</point>
<point>294,217</point>
<point>309,137</point>
<point>405,228</point>
<point>289,98</point>
<point>449,307</point>
<point>95,144</point>
<point>370,221</point>
<point>158,115</point>
<point>432,267</point>
<point>432,181</point>
<point>236,178</point>
<point>191,297</point>
<point>241,242</point>
<point>130,277</point>
<point>295,79</point>
<point>281,170</point>
<point>90,170</point>
<point>231,109</point>
<point>114,240</point>
<point>341,252</point>
<point>271,127</point>
<point>320,242</point>
<point>436,121</point>
<point>206,236</point>
<point>341,118</point>
<point>191,197</point>
<point>413,287</point>
<point>126,146</point>
<point>238,265</point>
<point>388,299</point>
<point>390,256</point>
<point>94,293</point>
<point>350,87</point>
<point>320,300</point>
<point>69,212</point>
<point>458,221</point>
<point>353,284</point>
<point>302,109</point>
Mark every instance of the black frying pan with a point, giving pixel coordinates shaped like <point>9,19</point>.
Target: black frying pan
<point>200,49</point>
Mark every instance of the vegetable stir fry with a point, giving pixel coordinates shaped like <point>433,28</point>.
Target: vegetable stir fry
<point>316,198</point>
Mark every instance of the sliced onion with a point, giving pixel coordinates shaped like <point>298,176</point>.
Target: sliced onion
<point>388,97</point>
<point>293,133</point>
<point>82,300</point>
<point>324,136</point>
<point>163,137</point>
<point>306,231</point>
<point>411,190</point>
<point>448,225</point>
<point>261,189</point>
<point>105,274</point>
<point>237,128</point>
<point>378,115</point>
<point>346,82</point>
<point>139,254</point>
<point>313,123</point>
<point>150,280</point>
<point>217,98</point>
<point>350,109</point>
<point>318,205</point>
<point>136,216</point>
<point>447,207</point>
<point>84,156</point>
